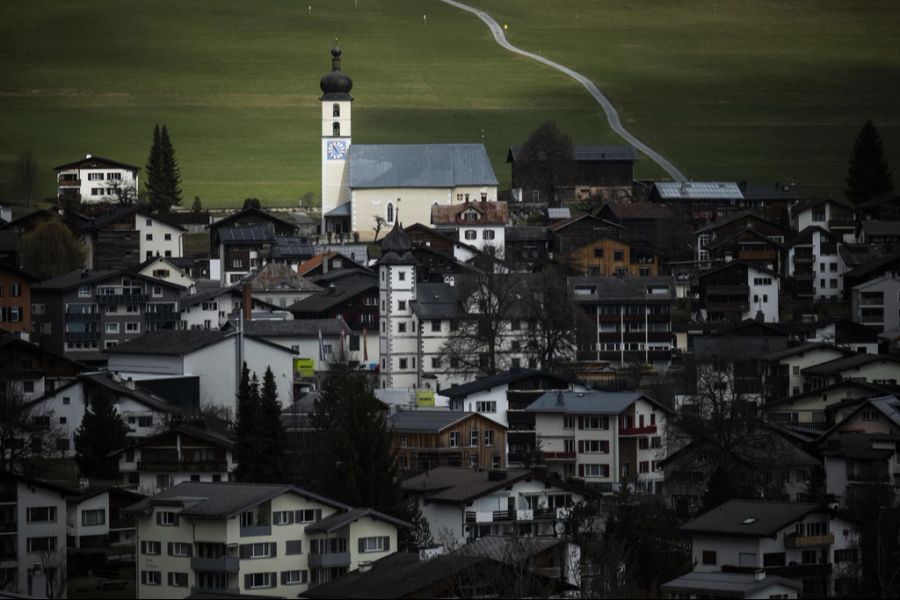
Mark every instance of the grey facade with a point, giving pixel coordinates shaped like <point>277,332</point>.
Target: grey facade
<point>85,312</point>
<point>876,303</point>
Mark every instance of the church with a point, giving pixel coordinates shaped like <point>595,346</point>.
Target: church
<point>365,183</point>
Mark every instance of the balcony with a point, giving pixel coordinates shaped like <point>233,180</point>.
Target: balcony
<point>212,466</point>
<point>69,183</point>
<point>157,317</point>
<point>256,531</point>
<point>806,541</point>
<point>842,223</point>
<point>122,298</point>
<point>82,336</point>
<point>82,317</point>
<point>329,559</point>
<point>559,455</point>
<point>727,290</point>
<point>757,255</point>
<point>720,307</point>
<point>225,564</point>
<point>646,430</point>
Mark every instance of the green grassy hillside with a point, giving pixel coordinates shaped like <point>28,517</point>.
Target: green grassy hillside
<point>763,90</point>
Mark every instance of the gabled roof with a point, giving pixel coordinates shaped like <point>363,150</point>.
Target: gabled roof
<point>428,421</point>
<point>246,234</point>
<point>589,152</point>
<point>78,278</point>
<point>560,225</point>
<point>501,379</point>
<point>341,292</point>
<point>106,381</point>
<point>419,166</point>
<point>814,202</point>
<point>180,342</point>
<point>294,328</point>
<point>750,518</point>
<point>699,190</point>
<point>718,583</point>
<point>895,279</point>
<point>115,215</point>
<point>222,500</point>
<point>873,390</point>
<point>96,162</point>
<point>7,476</point>
<point>617,289</point>
<point>491,213</point>
<point>588,403</point>
<point>435,301</point>
<point>745,214</point>
<point>880,200</point>
<point>291,248</point>
<point>638,210</point>
<point>803,349</point>
<point>746,230</point>
<point>846,363</point>
<point>7,338</point>
<point>210,437</point>
<point>274,276</point>
<point>738,263</point>
<point>252,211</point>
<point>455,485</point>
<point>889,406</point>
<point>5,268</point>
<point>526,233</point>
<point>872,266</point>
<point>859,446</point>
<point>805,236</point>
<point>339,520</point>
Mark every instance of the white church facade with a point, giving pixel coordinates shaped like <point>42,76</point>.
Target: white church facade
<point>364,183</point>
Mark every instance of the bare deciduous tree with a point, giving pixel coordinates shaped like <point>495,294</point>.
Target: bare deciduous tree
<point>25,433</point>
<point>26,174</point>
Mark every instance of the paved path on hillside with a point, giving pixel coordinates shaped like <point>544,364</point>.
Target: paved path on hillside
<point>612,116</point>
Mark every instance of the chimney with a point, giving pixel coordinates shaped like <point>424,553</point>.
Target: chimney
<point>247,302</point>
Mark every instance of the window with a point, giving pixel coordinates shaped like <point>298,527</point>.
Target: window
<point>260,580</point>
<point>41,514</point>
<point>261,550</point>
<point>401,327</point>
<point>454,439</point>
<point>375,544</point>
<point>435,325</point>
<point>335,110</point>
<point>151,548</point>
<point>157,291</point>
<point>488,234</point>
<point>132,327</point>
<point>150,577</point>
<point>595,422</point>
<point>84,291</point>
<point>484,406</point>
<point>774,559</point>
<point>593,470</point>
<point>336,131</point>
<point>310,515</point>
<point>132,309</point>
<point>473,437</point>
<point>471,234</point>
<point>401,276</point>
<point>168,237</point>
<point>489,437</point>
<point>298,577</point>
<point>568,422</point>
<point>846,555</point>
<point>95,517</point>
<point>293,547</point>
<point>41,544</point>
<point>283,517</point>
<point>112,328</point>
<point>179,549</point>
<point>166,518</point>
<point>708,557</point>
<point>149,237</point>
<point>618,255</point>
<point>870,415</point>
<point>178,579</point>
<point>401,304</point>
<point>495,462</point>
<point>95,176</point>
<point>404,363</point>
<point>390,212</point>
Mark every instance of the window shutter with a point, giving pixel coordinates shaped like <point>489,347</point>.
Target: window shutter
<point>284,575</point>
<point>581,446</point>
<point>244,551</point>
<point>605,446</point>
<point>159,518</point>
<point>248,581</point>
<point>143,547</point>
<point>361,543</point>
<point>298,516</point>
<point>190,549</point>
<point>169,549</point>
<point>273,579</point>
<point>581,470</point>
<point>387,543</point>
<point>318,514</point>
<point>273,550</point>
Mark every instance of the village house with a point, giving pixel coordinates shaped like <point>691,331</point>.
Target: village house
<point>96,179</point>
<point>428,438</point>
<point>127,236</point>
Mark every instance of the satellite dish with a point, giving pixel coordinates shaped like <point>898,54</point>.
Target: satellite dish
<point>559,528</point>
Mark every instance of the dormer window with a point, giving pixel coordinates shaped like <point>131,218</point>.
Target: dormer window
<point>471,215</point>
<point>336,110</point>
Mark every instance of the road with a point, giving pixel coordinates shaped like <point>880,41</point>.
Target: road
<point>612,116</point>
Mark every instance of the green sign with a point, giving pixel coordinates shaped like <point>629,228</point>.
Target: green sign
<point>424,397</point>
<point>304,367</point>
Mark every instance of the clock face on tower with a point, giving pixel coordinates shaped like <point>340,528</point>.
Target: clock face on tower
<point>337,150</point>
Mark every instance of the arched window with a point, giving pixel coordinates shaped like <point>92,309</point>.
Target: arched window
<point>336,129</point>
<point>390,212</point>
<point>336,109</point>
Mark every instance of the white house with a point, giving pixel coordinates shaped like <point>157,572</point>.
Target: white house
<point>791,539</point>
<point>814,253</point>
<point>730,585</point>
<point>97,179</point>
<point>178,454</point>
<point>214,356</point>
<point>784,368</point>
<point>876,303</point>
<point>32,537</point>
<point>605,438</point>
<point>63,409</point>
<point>877,369</point>
<point>211,306</point>
<point>161,268</point>
<point>319,340</point>
<point>462,504</point>
<point>834,214</point>
<point>739,291</point>
<point>145,233</point>
<point>95,518</point>
<point>264,540</point>
<point>479,224</point>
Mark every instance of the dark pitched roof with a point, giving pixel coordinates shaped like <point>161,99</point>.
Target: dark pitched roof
<point>560,225</point>
<point>639,210</point>
<point>735,264</point>
<point>419,166</point>
<point>94,161</point>
<point>592,152</point>
<point>860,446</point>
<point>487,383</point>
<point>75,279</point>
<point>286,248</point>
<point>7,476</point>
<point>246,233</point>
<point>492,213</point>
<point>338,520</point>
<point>729,585</point>
<point>813,202</point>
<point>588,403</point>
<point>616,289</point>
<point>221,500</point>
<point>332,297</point>
<point>750,518</point>
<point>302,327</point>
<point>805,236</point>
<point>116,215</point>
<point>455,485</point>
<point>526,233</point>
<point>169,342</point>
<point>872,266</point>
<point>745,214</point>
<point>252,211</point>
<point>108,382</point>
<point>427,421</point>
<point>211,437</point>
<point>803,349</point>
<point>870,389</point>
<point>889,406</point>
<point>435,301</point>
<point>839,365</point>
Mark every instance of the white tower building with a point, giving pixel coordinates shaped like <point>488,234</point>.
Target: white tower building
<point>398,340</point>
<point>336,100</point>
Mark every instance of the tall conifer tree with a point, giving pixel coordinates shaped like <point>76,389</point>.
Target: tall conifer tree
<point>269,433</point>
<point>868,175</point>
<point>171,173</point>
<point>102,431</point>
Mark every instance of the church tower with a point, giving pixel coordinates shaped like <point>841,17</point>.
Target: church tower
<point>336,86</point>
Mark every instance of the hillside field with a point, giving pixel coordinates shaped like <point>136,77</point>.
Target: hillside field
<point>760,90</point>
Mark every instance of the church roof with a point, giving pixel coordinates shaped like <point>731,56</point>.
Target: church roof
<point>336,84</point>
<point>396,247</point>
<point>420,166</point>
